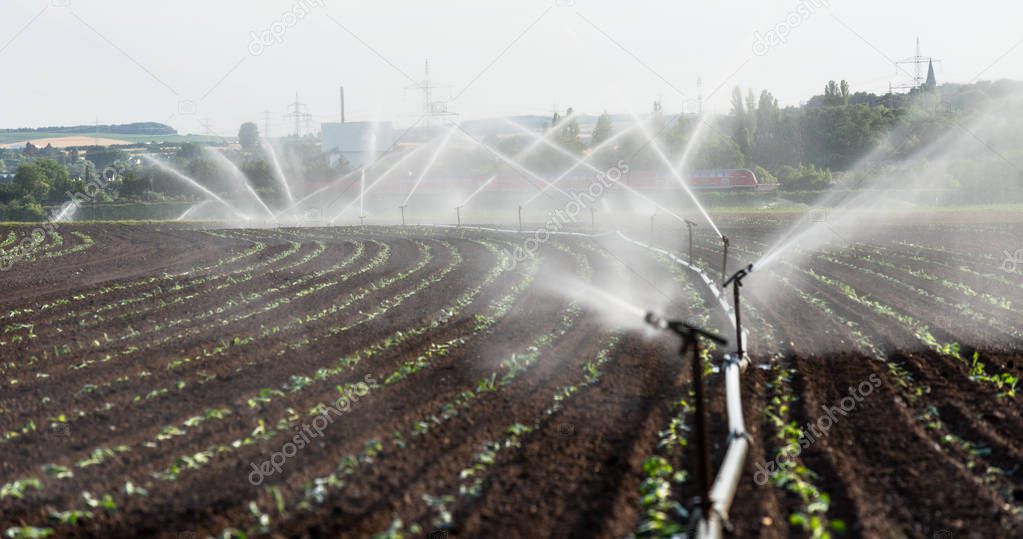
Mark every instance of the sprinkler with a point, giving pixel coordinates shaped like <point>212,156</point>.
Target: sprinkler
<point>520,218</point>
<point>458,215</point>
<point>691,226</point>
<point>724,259</point>
<point>691,340</point>
<point>403,206</point>
<point>362,220</point>
<point>736,280</point>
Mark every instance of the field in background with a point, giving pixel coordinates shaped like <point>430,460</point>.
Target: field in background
<point>62,140</point>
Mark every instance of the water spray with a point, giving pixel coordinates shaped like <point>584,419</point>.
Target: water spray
<point>431,162</point>
<point>579,162</point>
<point>240,177</point>
<point>516,165</point>
<point>736,282</point>
<point>691,226</point>
<point>690,335</point>
<point>478,190</point>
<point>277,170</point>
<point>583,162</point>
<point>175,173</point>
<point>652,217</point>
<point>671,168</point>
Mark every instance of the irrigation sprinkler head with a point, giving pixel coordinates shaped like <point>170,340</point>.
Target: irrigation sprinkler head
<point>690,224</point>
<point>656,321</point>
<point>683,329</point>
<point>739,276</point>
<point>724,239</point>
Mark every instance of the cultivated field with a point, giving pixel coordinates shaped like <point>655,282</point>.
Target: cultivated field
<point>182,382</point>
<point>68,142</point>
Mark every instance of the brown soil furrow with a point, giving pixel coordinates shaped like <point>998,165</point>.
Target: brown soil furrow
<point>230,379</point>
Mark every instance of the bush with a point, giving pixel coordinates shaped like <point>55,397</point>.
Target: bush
<point>764,176</point>
<point>28,211</point>
<point>804,178</point>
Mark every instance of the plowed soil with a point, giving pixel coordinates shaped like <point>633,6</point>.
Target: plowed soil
<point>351,382</point>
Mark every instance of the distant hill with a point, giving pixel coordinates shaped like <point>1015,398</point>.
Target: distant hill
<point>139,128</point>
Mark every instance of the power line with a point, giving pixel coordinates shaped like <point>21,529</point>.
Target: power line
<point>434,110</point>
<point>919,62</point>
<point>298,112</point>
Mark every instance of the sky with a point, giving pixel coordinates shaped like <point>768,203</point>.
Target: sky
<point>210,65</point>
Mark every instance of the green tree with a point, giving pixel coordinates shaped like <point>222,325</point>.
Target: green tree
<point>602,131</point>
<point>259,174</point>
<point>205,172</point>
<point>133,185</point>
<point>805,177</point>
<point>248,136</point>
<point>743,128</point>
<point>103,156</point>
<point>717,151</point>
<point>57,178</point>
<point>31,181</point>
<point>768,146</point>
<point>568,138</point>
<point>836,94</point>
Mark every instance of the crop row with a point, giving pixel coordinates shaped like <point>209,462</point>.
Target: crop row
<point>257,400</point>
<point>19,313</point>
<point>913,392</point>
<point>236,344</point>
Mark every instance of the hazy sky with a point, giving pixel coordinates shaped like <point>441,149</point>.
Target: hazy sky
<point>75,61</point>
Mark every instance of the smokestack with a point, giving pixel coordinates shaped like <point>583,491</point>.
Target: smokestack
<point>342,104</point>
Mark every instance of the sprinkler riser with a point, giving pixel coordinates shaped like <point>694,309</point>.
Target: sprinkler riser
<point>690,225</point>
<point>724,259</point>
<point>736,282</point>
<point>691,340</point>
